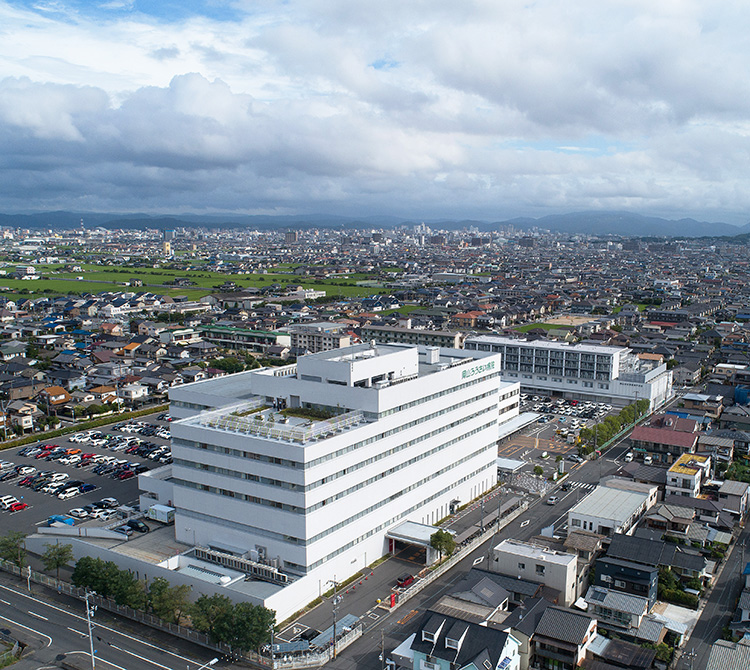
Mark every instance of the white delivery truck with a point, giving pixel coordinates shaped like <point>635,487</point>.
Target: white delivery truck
<point>161,513</point>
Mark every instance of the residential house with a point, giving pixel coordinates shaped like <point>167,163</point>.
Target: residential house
<point>555,569</point>
<point>443,642</point>
<point>562,639</point>
<point>686,474</point>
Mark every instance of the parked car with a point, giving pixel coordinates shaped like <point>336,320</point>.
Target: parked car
<point>405,580</point>
<point>109,503</point>
<point>87,488</point>
<point>78,513</point>
<point>18,506</point>
<point>68,493</point>
<point>123,530</point>
<point>137,524</point>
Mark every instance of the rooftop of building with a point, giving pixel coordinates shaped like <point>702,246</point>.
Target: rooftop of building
<point>689,464</point>
<point>609,503</point>
<point>535,552</point>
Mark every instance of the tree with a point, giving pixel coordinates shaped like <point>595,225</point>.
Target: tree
<point>13,548</point>
<point>443,541</point>
<point>538,470</point>
<point>168,602</point>
<point>210,615</point>
<point>57,556</point>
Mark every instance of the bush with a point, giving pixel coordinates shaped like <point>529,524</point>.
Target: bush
<point>678,597</point>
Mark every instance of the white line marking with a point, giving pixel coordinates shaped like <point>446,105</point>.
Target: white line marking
<point>31,629</point>
<point>143,658</point>
<point>524,523</point>
<point>38,616</point>
<point>5,602</point>
<point>101,626</point>
<point>477,561</point>
<point>98,658</point>
<point>73,630</point>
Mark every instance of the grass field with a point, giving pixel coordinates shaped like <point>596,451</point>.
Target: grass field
<point>97,279</point>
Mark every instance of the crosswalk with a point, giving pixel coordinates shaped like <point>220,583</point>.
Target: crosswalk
<point>586,486</point>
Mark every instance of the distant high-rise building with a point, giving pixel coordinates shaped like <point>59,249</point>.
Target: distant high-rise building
<point>291,237</point>
<point>167,248</point>
<point>169,235</point>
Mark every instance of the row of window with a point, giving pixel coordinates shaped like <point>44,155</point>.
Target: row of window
<point>290,539</point>
<point>228,472</point>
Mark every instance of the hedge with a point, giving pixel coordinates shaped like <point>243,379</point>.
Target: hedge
<point>86,425</point>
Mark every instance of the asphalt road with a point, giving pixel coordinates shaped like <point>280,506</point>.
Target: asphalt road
<point>719,608</point>
<point>57,630</point>
<point>392,628</point>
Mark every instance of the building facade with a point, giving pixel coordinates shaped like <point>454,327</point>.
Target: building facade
<point>578,371</point>
<point>306,467</point>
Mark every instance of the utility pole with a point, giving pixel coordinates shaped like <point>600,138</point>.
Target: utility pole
<point>90,609</point>
<point>335,608</point>
<point>691,656</point>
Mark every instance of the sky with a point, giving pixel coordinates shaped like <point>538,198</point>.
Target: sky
<point>483,109</point>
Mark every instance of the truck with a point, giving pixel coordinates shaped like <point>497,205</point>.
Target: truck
<point>161,513</point>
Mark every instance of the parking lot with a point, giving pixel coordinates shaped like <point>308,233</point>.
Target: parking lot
<point>74,472</point>
<point>557,429</point>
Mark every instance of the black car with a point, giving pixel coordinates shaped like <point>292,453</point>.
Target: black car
<point>137,524</point>
<point>566,486</point>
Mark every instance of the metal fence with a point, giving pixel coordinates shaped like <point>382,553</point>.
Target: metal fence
<point>309,660</point>
<point>11,653</point>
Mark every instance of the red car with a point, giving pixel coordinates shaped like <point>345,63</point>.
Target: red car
<point>18,506</point>
<point>127,474</point>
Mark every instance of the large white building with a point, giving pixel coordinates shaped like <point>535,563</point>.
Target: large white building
<point>578,371</point>
<point>307,467</point>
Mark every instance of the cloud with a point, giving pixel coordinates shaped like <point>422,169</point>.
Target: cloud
<point>424,109</point>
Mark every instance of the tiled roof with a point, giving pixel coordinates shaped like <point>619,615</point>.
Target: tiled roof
<point>563,624</point>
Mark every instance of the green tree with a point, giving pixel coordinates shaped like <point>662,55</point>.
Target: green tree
<point>230,364</point>
<point>538,470</point>
<point>443,541</point>
<point>13,548</point>
<point>210,615</point>
<point>57,556</point>
<point>168,602</point>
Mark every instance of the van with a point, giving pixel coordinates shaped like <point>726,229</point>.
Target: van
<point>629,457</point>
<point>647,460</point>
<point>7,501</point>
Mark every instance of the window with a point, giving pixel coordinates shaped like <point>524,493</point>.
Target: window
<point>576,523</point>
<point>540,570</point>
<point>619,584</point>
<point>522,566</point>
<point>427,636</point>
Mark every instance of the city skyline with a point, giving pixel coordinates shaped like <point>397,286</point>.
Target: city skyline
<point>426,110</point>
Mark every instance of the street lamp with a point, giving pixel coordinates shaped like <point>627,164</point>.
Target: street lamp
<point>335,607</point>
<point>213,661</point>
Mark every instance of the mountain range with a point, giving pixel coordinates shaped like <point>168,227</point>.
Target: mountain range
<point>626,224</point>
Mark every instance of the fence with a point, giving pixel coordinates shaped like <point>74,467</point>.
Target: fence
<point>11,653</point>
<point>288,663</point>
<point>461,553</point>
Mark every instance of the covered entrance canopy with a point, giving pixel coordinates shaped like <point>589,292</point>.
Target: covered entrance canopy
<point>411,541</point>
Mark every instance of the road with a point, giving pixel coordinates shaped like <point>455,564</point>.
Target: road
<point>720,606</point>
<point>54,629</point>
<point>392,628</point>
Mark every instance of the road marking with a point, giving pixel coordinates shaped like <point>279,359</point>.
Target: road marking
<point>525,523</point>
<point>101,626</point>
<point>99,659</point>
<point>73,630</point>
<point>31,629</point>
<point>409,616</point>
<point>38,616</point>
<point>5,602</point>
<point>143,658</point>
<point>477,561</point>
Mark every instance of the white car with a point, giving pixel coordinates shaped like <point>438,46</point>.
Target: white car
<point>59,477</point>
<point>26,470</point>
<point>78,513</point>
<point>628,457</point>
<point>67,494</point>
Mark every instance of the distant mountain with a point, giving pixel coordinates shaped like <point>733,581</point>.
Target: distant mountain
<point>592,223</point>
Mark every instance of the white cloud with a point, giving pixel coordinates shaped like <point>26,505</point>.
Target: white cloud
<point>424,108</point>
